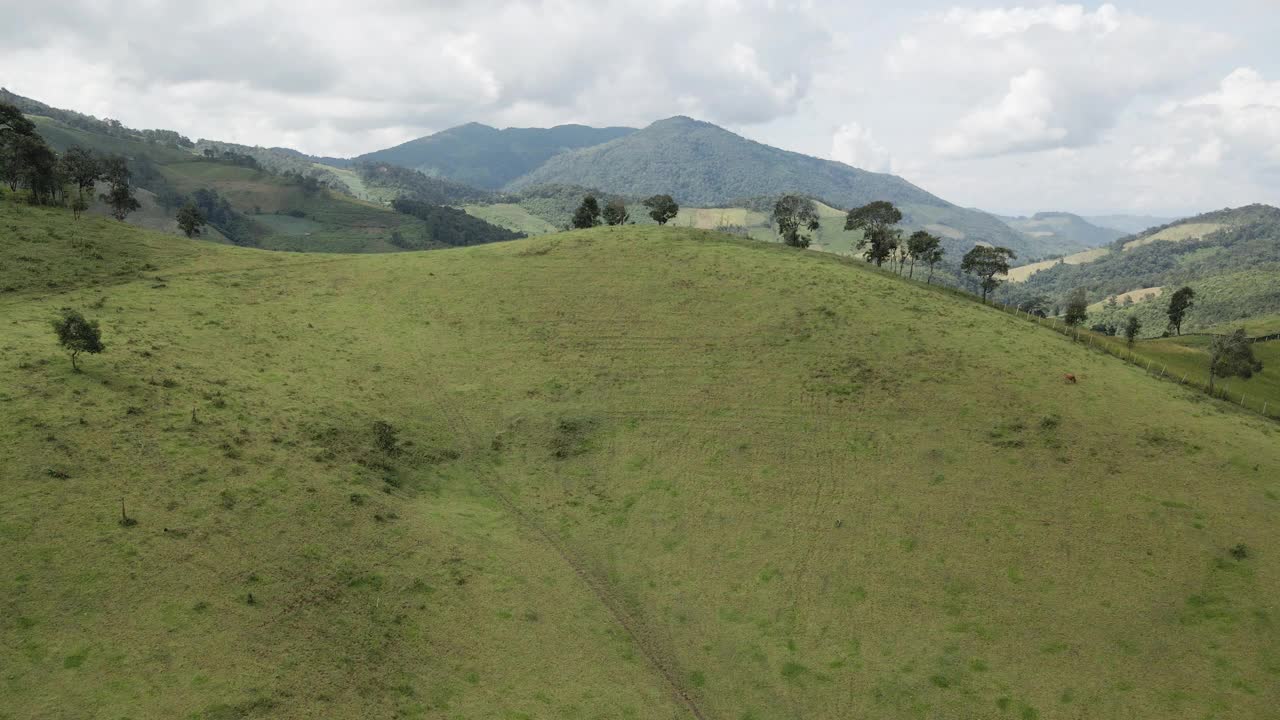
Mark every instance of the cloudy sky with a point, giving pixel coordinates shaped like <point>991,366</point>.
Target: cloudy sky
<point>1148,106</point>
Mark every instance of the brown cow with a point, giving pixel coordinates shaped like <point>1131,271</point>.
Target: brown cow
<point>1070,378</point>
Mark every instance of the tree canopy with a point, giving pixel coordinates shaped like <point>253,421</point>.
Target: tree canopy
<point>1077,307</point>
<point>985,263</point>
<point>615,212</point>
<point>588,213</point>
<point>876,221</point>
<point>1179,305</point>
<point>77,335</point>
<point>1231,355</point>
<point>796,218</point>
<point>662,208</point>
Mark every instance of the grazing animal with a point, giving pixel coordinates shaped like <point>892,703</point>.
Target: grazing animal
<point>1070,378</point>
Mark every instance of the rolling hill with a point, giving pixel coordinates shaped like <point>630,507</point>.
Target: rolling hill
<point>1230,257</point>
<point>487,157</point>
<point>1129,224</point>
<point>276,200</point>
<point>1061,233</point>
<point>629,472</point>
<point>703,165</point>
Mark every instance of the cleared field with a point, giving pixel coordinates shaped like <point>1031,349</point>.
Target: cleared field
<point>1022,272</point>
<point>1177,233</point>
<point>629,472</point>
<point>288,225</point>
<point>712,218</point>
<point>512,217</point>
<point>1136,296</point>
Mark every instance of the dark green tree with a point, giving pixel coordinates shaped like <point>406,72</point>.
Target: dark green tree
<point>615,212</point>
<point>588,213</point>
<point>920,246</point>
<point>1077,307</point>
<point>80,167</point>
<point>985,263</point>
<point>13,121</point>
<point>36,168</point>
<point>1131,328</point>
<point>190,221</point>
<point>796,217</point>
<point>119,195</point>
<point>1179,305</point>
<point>876,221</point>
<point>662,208</point>
<point>1231,356</point>
<point>77,335</point>
<point>1035,305</point>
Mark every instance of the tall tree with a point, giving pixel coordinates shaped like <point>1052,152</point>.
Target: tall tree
<point>615,212</point>
<point>1131,328</point>
<point>1179,305</point>
<point>13,127</point>
<point>119,195</point>
<point>77,335</point>
<point>796,217</point>
<point>919,247</point>
<point>36,168</point>
<point>1231,356</point>
<point>190,220</point>
<point>80,167</point>
<point>1077,307</point>
<point>662,208</point>
<point>985,263</point>
<point>876,221</point>
<point>13,121</point>
<point>588,213</point>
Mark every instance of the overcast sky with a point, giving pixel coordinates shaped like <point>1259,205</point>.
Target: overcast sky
<point>1163,107</point>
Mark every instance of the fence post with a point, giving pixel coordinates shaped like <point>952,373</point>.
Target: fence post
<point>1264,408</point>
<point>1241,399</point>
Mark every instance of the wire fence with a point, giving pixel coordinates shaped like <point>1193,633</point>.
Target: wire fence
<point>1152,366</point>
<point>1118,348</point>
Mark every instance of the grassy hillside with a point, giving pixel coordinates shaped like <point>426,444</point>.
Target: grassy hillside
<point>487,157</point>
<point>629,472</point>
<point>1231,257</point>
<point>705,166</point>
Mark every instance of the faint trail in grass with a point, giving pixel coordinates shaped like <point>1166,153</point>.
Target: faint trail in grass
<point>636,629</point>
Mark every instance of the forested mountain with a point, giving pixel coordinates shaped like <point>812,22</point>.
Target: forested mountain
<point>1230,257</point>
<point>487,157</point>
<point>262,197</point>
<point>704,165</point>
<point>1061,233</point>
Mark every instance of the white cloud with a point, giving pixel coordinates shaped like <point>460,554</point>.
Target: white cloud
<point>1038,78</point>
<point>853,144</point>
<point>339,77</point>
<point>1023,120</point>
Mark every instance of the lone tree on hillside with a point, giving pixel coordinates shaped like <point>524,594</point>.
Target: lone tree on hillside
<point>876,221</point>
<point>796,217</point>
<point>190,221</point>
<point>1131,328</point>
<point>1179,305</point>
<point>662,208</point>
<point>920,246</point>
<point>588,213</point>
<point>119,195</point>
<point>615,212</point>
<point>985,263</point>
<point>1232,356</point>
<point>77,335</point>
<point>1077,308</point>
<point>81,167</point>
